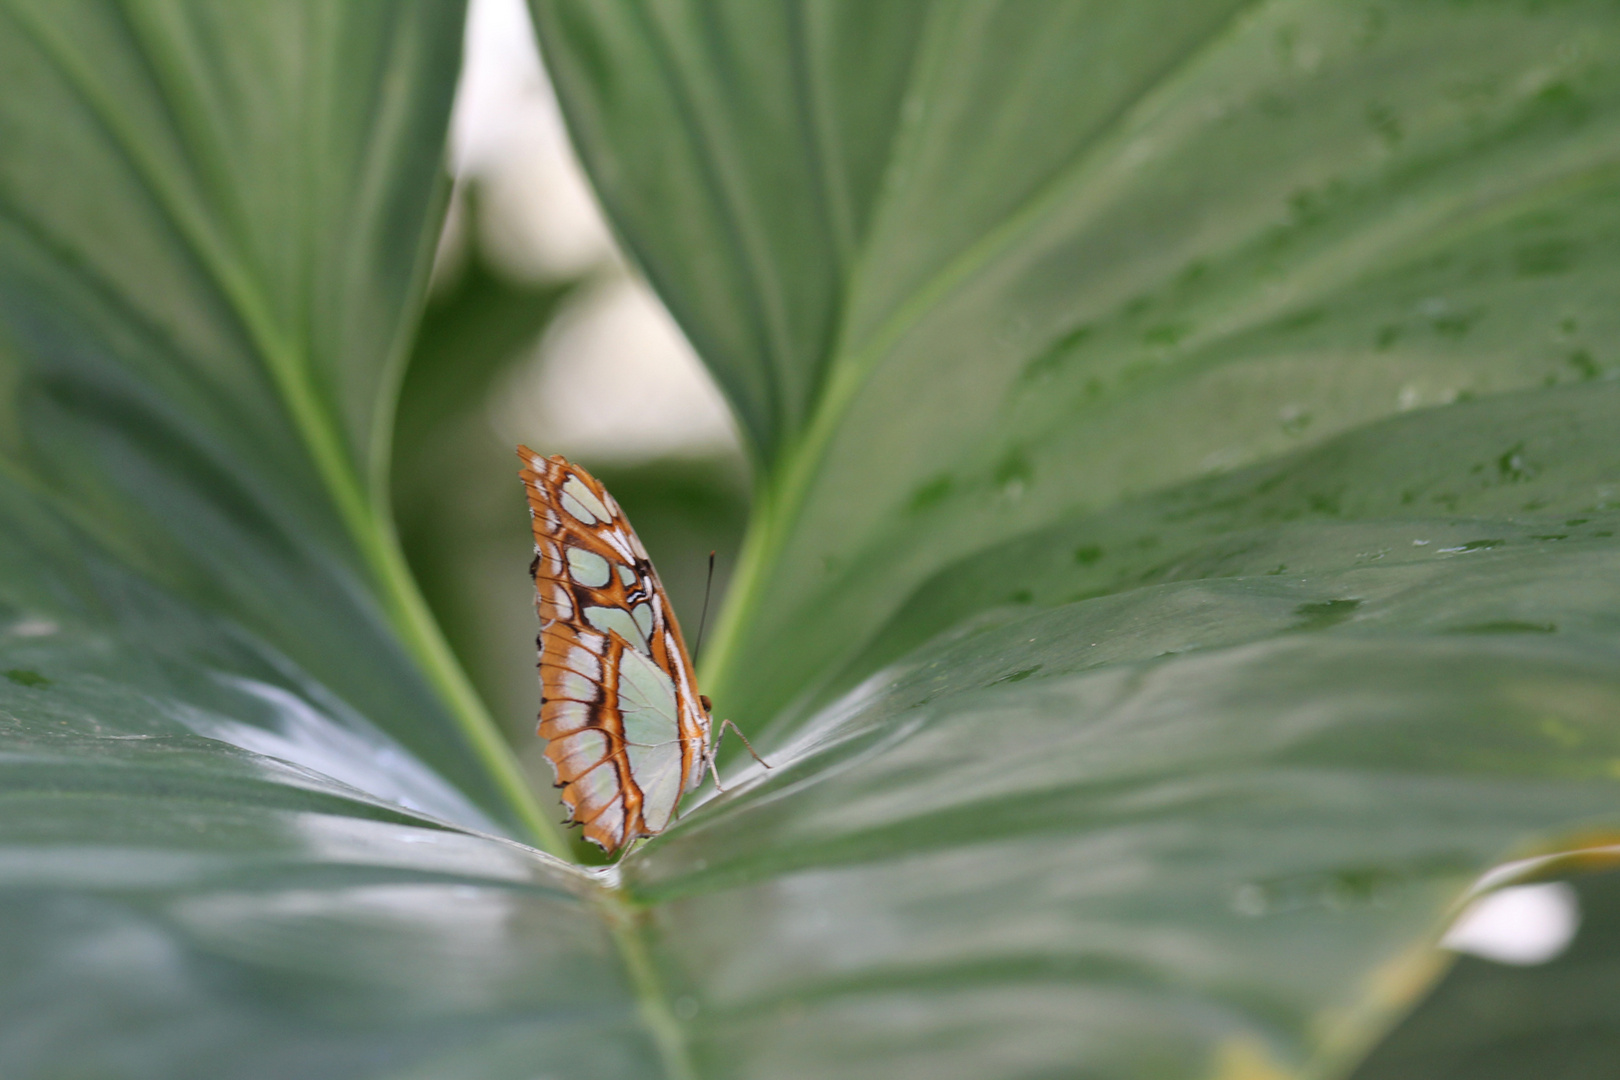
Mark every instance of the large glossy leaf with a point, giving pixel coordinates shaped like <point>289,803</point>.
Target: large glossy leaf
<point>1202,825</point>
<point>214,230</point>
<point>969,268</point>
<point>1177,773</point>
<point>210,866</point>
<point>1208,818</point>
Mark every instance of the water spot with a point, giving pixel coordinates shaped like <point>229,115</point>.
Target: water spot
<point>1299,320</point>
<point>1021,596</point>
<point>1384,122</point>
<point>931,494</point>
<point>1582,362</point>
<point>1512,466</point>
<point>1359,887</point>
<point>1325,613</point>
<point>1472,545</point>
<point>1055,355</point>
<point>25,677</point>
<point>1508,626</point>
<point>1373,21</point>
<point>1322,502</point>
<point>1019,675</point>
<point>1192,272</point>
<point>1456,324</point>
<point>1336,890</point>
<point>1568,326</point>
<point>1166,334</point>
<point>1087,554</point>
<point>1545,258</point>
<point>1561,100</point>
<point>1014,473</point>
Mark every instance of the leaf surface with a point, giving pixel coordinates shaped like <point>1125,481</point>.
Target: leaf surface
<point>1183,546</point>
<point>1110,249</point>
<point>215,230</point>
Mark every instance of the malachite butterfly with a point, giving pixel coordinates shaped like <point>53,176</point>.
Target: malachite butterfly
<point>626,730</point>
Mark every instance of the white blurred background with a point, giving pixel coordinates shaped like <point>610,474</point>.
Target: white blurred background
<point>612,379</point>
<point>537,331</point>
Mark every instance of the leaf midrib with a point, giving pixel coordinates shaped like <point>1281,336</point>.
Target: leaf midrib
<point>782,494</point>
<point>316,425</point>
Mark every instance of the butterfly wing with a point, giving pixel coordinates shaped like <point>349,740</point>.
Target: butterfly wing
<point>619,706</point>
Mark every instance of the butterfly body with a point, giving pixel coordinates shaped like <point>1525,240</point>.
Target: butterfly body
<point>627,732</point>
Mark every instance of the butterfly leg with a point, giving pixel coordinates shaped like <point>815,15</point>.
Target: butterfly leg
<point>714,752</point>
<point>722,734</point>
<point>626,850</point>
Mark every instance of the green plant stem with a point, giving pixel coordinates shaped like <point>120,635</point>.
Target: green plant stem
<point>366,522</point>
<point>653,1002</point>
<point>368,525</point>
<point>778,502</point>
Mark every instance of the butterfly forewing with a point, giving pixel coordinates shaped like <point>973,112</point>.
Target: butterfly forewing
<point>619,708</point>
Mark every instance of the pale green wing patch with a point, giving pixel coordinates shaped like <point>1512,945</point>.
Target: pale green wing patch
<point>646,702</point>
<point>588,568</point>
<point>657,770</point>
<point>652,730</point>
<point>587,507</point>
<point>618,621</point>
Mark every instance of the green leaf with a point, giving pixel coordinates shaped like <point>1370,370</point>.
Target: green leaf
<point>209,866</point>
<point>214,234</point>
<point>1183,549</point>
<point>1207,817</point>
<point>1087,251</point>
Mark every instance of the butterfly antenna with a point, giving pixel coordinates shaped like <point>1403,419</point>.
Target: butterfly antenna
<point>704,617</point>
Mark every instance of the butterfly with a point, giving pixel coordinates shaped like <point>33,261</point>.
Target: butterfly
<point>627,732</point>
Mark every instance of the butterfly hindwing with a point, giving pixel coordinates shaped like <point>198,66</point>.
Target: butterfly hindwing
<point>620,712</point>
